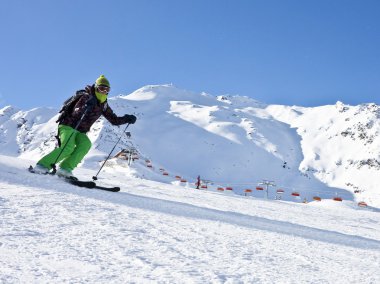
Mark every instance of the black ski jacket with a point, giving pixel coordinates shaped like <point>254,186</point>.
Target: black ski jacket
<point>89,100</point>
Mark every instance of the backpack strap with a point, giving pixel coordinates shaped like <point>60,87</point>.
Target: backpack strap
<point>69,104</point>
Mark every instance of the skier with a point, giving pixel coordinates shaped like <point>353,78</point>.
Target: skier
<point>74,123</point>
<point>198,182</point>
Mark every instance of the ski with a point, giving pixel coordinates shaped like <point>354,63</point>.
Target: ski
<point>81,183</point>
<point>112,189</point>
<point>90,184</point>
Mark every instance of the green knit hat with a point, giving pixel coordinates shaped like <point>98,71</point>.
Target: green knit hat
<point>102,81</point>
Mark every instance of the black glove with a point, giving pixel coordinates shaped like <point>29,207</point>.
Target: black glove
<point>130,118</point>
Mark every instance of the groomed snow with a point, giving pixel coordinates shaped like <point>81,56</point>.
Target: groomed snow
<point>152,232</point>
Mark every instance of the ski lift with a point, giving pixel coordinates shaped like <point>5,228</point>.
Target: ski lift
<point>362,204</point>
<point>247,191</point>
<point>317,198</point>
<point>295,193</point>
<point>229,188</point>
<point>220,189</point>
<point>259,188</point>
<point>280,191</point>
<point>337,198</point>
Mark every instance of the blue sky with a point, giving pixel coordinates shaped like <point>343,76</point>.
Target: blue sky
<point>304,52</point>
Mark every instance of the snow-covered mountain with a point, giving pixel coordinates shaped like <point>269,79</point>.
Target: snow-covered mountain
<point>230,141</point>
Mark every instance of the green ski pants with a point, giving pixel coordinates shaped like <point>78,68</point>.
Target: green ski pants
<point>75,146</point>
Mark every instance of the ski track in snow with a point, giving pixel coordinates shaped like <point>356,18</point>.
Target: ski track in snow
<point>52,232</point>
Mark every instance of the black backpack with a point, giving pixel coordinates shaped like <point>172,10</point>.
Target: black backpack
<point>69,104</point>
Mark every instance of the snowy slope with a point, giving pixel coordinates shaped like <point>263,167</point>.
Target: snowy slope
<point>340,144</point>
<point>230,141</point>
<point>152,232</point>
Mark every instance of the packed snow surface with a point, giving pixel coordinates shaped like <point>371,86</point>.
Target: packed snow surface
<point>53,232</point>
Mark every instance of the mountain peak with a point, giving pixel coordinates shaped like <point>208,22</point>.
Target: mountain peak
<point>8,111</point>
<point>151,92</point>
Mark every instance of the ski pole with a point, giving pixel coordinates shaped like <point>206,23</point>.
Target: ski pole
<point>96,176</point>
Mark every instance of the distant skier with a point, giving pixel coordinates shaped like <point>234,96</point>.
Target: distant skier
<point>78,114</point>
<point>198,182</point>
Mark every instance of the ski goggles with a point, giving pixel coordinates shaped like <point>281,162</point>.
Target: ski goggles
<point>103,89</point>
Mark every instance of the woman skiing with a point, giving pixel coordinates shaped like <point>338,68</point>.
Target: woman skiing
<point>78,114</point>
